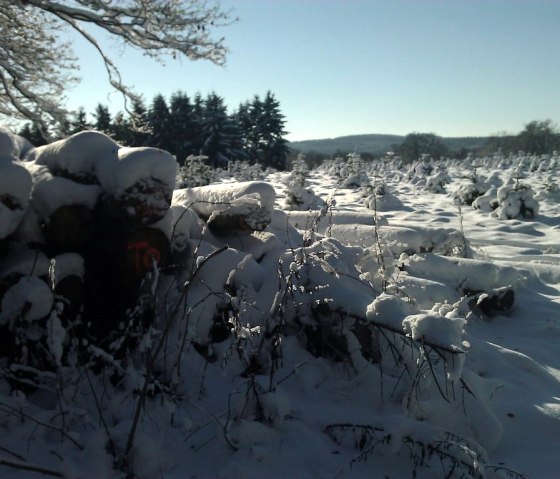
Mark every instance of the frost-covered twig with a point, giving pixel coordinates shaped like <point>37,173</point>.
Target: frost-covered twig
<point>152,355</point>
<point>13,410</point>
<point>30,468</point>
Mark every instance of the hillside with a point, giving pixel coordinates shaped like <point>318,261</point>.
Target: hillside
<point>374,143</point>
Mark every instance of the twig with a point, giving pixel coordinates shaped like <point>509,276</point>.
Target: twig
<point>30,468</point>
<point>151,358</point>
<point>40,423</point>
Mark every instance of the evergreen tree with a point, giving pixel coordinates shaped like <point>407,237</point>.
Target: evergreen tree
<point>158,123</point>
<point>121,131</point>
<point>271,130</point>
<point>181,126</point>
<point>263,126</point>
<point>198,124</point>
<point>243,120</point>
<point>30,132</point>
<point>220,134</point>
<point>252,131</point>
<point>138,123</point>
<point>102,118</point>
<point>78,123</point>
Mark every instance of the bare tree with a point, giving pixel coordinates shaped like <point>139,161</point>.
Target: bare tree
<point>36,66</point>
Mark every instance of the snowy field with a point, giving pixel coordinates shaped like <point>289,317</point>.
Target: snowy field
<point>393,332</point>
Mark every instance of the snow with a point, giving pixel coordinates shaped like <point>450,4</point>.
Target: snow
<point>324,343</point>
<point>80,156</point>
<point>204,200</point>
<point>52,192</point>
<point>15,185</point>
<point>135,165</point>
<point>30,295</point>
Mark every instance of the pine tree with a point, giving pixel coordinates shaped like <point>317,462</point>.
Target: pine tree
<point>198,124</point>
<point>221,136</point>
<point>158,123</point>
<point>31,132</point>
<point>138,123</point>
<point>79,122</point>
<point>272,129</point>
<point>102,118</point>
<point>242,118</point>
<point>121,131</point>
<point>181,126</point>
<point>252,132</point>
<point>265,140</point>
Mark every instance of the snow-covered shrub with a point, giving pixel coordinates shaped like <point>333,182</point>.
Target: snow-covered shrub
<point>195,172</point>
<point>551,189</point>
<point>466,193</point>
<point>436,183</point>
<point>244,171</point>
<point>487,202</point>
<point>516,201</point>
<point>335,167</point>
<point>381,199</point>
<point>354,175</point>
<point>298,194</point>
<point>420,170</point>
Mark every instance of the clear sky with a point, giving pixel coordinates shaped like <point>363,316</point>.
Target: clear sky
<point>343,67</point>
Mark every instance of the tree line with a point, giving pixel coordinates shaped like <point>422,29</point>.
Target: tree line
<point>185,126</point>
<point>537,138</point>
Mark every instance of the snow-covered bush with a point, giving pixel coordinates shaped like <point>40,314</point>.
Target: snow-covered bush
<point>299,196</point>
<point>420,170</point>
<point>436,183</point>
<point>244,171</point>
<point>195,172</point>
<point>469,191</point>
<point>487,202</point>
<point>516,201</point>
<point>354,175</point>
<point>551,189</point>
<point>381,199</point>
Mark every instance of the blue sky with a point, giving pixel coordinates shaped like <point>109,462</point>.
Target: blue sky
<point>342,67</point>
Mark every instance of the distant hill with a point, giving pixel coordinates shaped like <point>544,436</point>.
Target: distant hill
<point>374,143</point>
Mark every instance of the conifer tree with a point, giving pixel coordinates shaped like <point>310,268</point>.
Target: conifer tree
<point>198,122</point>
<point>263,125</point>
<point>253,132</point>
<point>102,119</point>
<point>158,123</point>
<point>120,130</point>
<point>243,120</point>
<point>221,137</point>
<point>30,132</point>
<point>138,123</point>
<point>79,122</point>
<point>271,131</point>
<point>182,134</point>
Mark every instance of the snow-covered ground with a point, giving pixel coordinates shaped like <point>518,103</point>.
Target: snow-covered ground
<point>355,340</point>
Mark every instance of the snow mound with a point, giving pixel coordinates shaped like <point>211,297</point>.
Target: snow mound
<point>15,186</point>
<point>81,156</point>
